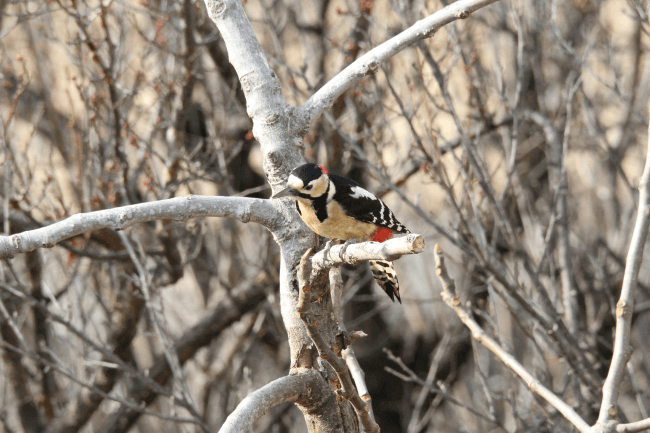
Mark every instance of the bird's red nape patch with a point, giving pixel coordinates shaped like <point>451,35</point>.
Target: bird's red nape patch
<point>381,234</point>
<point>324,171</point>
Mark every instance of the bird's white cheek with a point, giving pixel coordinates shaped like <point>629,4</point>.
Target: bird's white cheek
<point>319,186</point>
<point>295,182</point>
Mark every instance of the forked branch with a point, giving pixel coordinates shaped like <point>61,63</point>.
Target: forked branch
<point>347,391</point>
<point>370,62</point>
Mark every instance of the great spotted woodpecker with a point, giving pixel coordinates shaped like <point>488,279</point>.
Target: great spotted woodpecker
<point>338,208</point>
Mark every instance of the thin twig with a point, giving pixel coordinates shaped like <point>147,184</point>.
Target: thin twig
<point>169,352</point>
<point>440,351</point>
<point>451,299</point>
<point>564,247</point>
<point>410,376</point>
<point>357,373</point>
<point>634,427</point>
<point>64,371</point>
<point>110,356</point>
<point>625,305</point>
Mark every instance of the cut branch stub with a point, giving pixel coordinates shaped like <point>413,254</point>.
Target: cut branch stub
<point>391,249</point>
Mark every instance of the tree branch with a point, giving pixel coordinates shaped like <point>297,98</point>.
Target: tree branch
<point>257,403</point>
<point>625,305</point>
<point>634,427</point>
<point>93,388</point>
<point>347,391</point>
<point>451,299</point>
<point>79,410</point>
<point>244,209</point>
<point>109,355</point>
<point>273,119</point>
<point>370,62</point>
<point>392,249</point>
<point>357,373</point>
<point>221,317</point>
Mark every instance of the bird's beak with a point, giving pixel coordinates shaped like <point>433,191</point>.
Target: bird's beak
<point>287,192</point>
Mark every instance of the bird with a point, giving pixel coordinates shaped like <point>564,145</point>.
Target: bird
<point>336,207</point>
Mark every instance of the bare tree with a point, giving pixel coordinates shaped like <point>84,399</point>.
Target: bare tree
<point>513,138</point>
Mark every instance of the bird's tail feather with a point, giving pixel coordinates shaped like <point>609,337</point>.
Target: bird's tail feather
<point>386,277</point>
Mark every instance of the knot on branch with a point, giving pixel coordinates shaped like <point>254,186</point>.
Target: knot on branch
<point>622,308</point>
<point>371,68</point>
<point>121,220</point>
<point>347,338</point>
<point>216,9</point>
<point>274,157</point>
<point>246,215</point>
<point>270,119</point>
<point>247,81</point>
<point>429,33</point>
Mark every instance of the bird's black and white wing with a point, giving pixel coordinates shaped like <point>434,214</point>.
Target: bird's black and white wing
<point>364,206</point>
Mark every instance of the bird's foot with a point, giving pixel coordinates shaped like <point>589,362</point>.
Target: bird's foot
<point>345,247</point>
<point>328,246</point>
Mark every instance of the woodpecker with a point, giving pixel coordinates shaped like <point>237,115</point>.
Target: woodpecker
<point>338,208</point>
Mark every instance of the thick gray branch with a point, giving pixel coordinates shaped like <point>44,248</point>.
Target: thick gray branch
<point>257,403</point>
<point>181,208</point>
<point>273,119</point>
<point>369,63</point>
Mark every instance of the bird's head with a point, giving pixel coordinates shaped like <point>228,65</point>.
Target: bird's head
<point>307,181</point>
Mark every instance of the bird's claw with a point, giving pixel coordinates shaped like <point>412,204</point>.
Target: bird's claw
<point>328,247</point>
<point>345,247</point>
